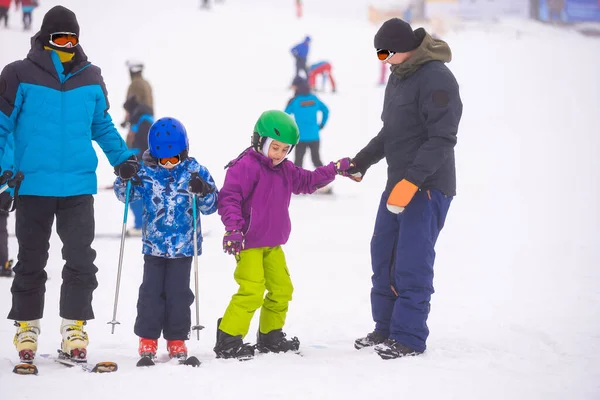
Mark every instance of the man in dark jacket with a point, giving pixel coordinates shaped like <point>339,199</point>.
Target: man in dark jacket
<point>54,103</point>
<point>421,113</point>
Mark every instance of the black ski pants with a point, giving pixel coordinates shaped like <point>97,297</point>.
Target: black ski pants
<point>301,66</point>
<point>314,153</point>
<point>75,227</point>
<point>165,298</point>
<point>4,16</point>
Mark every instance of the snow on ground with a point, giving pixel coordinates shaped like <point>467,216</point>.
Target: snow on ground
<point>515,314</point>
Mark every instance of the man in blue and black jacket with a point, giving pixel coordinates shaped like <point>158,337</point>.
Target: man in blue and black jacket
<point>300,53</point>
<point>55,104</point>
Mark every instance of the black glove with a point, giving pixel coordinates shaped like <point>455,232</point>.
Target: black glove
<point>6,175</point>
<point>199,186</point>
<point>355,172</point>
<point>127,169</point>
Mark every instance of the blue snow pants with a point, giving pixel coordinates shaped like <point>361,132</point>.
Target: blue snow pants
<point>164,299</point>
<point>402,256</point>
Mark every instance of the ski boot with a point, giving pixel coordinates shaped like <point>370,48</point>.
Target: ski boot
<point>74,340</point>
<point>370,340</point>
<point>26,339</point>
<point>6,269</point>
<point>391,349</point>
<point>276,342</point>
<point>177,349</point>
<point>228,346</point>
<point>148,348</point>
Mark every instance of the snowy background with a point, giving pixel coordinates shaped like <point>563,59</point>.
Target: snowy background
<point>515,314</point>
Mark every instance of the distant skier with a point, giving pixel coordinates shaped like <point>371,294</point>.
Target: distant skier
<point>4,8</point>
<point>305,107</point>
<point>165,184</point>
<point>27,6</point>
<point>300,53</point>
<point>253,205</point>
<point>140,118</point>
<point>323,69</point>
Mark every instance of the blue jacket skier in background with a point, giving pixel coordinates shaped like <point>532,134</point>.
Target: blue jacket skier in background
<point>305,106</point>
<point>54,104</point>
<point>166,184</point>
<point>300,53</point>
<point>139,118</point>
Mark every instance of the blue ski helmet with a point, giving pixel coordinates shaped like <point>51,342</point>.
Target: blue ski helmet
<point>167,138</point>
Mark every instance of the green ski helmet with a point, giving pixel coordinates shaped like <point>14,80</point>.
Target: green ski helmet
<point>276,125</point>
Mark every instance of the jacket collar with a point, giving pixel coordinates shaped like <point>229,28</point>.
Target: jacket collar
<point>45,60</point>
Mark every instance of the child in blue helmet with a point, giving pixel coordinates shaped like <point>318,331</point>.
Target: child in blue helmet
<point>167,183</point>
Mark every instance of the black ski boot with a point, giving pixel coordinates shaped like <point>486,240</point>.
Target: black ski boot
<point>228,346</point>
<point>391,349</point>
<point>370,340</point>
<point>276,342</point>
<point>6,269</point>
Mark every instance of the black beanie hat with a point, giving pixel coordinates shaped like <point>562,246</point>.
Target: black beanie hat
<point>59,19</point>
<point>397,36</point>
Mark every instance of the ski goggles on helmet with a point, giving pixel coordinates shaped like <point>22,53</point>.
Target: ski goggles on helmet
<point>169,161</point>
<point>384,55</point>
<point>64,39</point>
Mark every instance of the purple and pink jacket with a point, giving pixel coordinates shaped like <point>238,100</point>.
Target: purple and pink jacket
<point>256,196</point>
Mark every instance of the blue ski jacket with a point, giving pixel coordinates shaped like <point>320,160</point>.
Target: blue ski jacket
<point>301,49</point>
<point>305,107</point>
<point>167,222</point>
<point>54,117</point>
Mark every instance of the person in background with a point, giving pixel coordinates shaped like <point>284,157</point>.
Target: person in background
<point>140,119</point>
<point>27,6</point>
<point>4,7</point>
<point>300,53</point>
<point>322,68</point>
<point>139,87</point>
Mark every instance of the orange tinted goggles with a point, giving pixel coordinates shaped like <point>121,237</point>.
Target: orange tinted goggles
<point>384,55</point>
<point>173,161</point>
<point>64,39</point>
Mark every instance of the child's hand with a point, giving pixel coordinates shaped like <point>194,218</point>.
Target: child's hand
<point>199,186</point>
<point>347,167</point>
<point>233,242</point>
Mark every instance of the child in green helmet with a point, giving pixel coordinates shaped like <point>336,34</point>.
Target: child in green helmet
<point>253,206</point>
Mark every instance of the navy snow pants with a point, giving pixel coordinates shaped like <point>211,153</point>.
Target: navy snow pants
<point>402,256</point>
<point>165,298</point>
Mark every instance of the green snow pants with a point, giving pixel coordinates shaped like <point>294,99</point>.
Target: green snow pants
<point>259,270</point>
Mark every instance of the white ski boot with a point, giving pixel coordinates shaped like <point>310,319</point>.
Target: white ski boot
<point>26,339</point>
<point>74,340</point>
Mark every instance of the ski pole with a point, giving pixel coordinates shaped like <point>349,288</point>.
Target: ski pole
<point>196,327</point>
<point>123,232</point>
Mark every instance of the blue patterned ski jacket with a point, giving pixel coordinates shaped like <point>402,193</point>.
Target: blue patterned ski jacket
<point>167,222</point>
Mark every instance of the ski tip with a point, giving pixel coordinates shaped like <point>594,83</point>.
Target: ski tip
<point>105,366</point>
<point>25,369</point>
<point>192,362</point>
<point>145,362</point>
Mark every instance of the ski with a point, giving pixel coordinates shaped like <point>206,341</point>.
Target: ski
<point>101,367</point>
<point>146,361</point>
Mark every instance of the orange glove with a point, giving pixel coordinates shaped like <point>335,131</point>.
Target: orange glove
<point>400,196</point>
